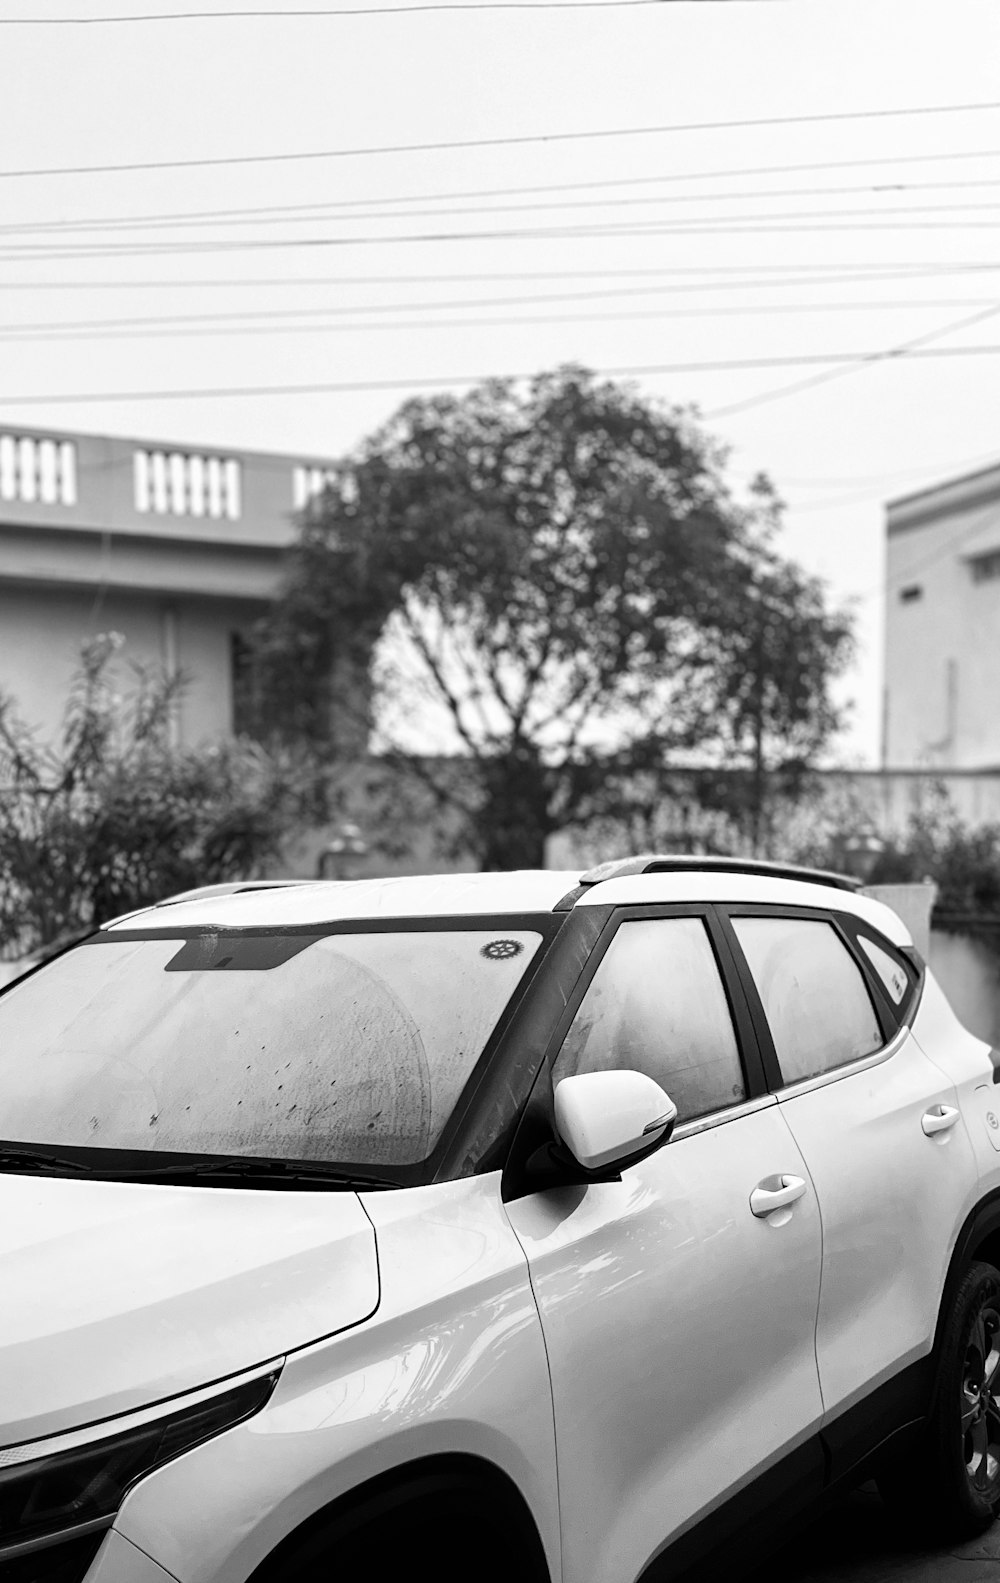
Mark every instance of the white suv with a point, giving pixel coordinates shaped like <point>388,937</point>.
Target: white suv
<point>526,1226</point>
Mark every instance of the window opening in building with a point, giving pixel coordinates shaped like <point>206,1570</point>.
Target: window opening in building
<point>985,568</point>
<point>909,596</point>
<point>179,484</point>
<point>242,690</point>
<point>37,471</point>
<point>308,483</point>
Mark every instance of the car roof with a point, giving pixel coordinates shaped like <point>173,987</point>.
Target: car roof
<point>334,901</point>
<point>297,903</point>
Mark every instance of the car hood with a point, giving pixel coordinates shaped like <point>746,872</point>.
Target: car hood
<point>116,1295</point>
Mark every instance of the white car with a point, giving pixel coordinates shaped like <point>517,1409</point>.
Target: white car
<point>527,1226</point>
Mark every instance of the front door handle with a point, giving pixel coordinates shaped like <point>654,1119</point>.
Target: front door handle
<point>938,1119</point>
<point>765,1198</point>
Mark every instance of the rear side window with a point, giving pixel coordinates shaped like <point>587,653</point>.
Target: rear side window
<point>656,1004</point>
<point>813,993</point>
<point>896,978</point>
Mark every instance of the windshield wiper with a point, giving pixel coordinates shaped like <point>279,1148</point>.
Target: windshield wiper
<point>38,1162</point>
<point>250,1168</point>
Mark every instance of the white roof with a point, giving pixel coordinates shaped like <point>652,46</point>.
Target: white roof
<point>330,901</point>
<point>718,885</point>
<point>469,895</point>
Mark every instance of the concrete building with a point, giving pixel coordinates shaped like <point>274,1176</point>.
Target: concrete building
<point>178,548</point>
<point>941,706</point>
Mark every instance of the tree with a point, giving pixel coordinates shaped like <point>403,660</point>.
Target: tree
<point>112,816</point>
<point>555,589</point>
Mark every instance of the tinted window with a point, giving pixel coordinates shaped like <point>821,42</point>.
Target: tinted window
<point>657,1005</point>
<point>349,1047</point>
<point>889,967</point>
<point>814,996</point>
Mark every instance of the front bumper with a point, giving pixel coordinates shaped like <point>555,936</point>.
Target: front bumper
<point>120,1561</point>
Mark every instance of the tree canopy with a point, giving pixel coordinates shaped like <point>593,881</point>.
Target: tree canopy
<point>555,588</point>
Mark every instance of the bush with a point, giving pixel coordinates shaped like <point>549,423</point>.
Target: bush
<point>114,816</point>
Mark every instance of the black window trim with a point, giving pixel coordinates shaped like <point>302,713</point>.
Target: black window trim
<point>888,1018</point>
<point>855,929</point>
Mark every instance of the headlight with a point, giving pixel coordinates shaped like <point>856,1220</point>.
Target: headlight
<point>71,1485</point>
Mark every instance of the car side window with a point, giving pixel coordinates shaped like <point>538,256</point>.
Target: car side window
<point>814,996</point>
<point>657,1004</point>
<point>895,977</point>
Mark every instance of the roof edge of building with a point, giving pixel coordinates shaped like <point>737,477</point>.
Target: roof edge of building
<point>941,499</point>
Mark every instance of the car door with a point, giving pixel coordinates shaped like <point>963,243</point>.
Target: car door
<point>879,1127</point>
<point>678,1304</point>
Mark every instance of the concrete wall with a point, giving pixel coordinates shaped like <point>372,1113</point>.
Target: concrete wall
<point>968,969</point>
<point>41,631</point>
<point>105,494</point>
<point>174,546</point>
<point>912,903</point>
<point>942,634</point>
<point>889,797</point>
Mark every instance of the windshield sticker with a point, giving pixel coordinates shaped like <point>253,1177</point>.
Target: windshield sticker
<point>501,950</point>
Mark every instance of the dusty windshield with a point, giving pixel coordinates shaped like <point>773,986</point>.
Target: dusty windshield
<point>346,1047</point>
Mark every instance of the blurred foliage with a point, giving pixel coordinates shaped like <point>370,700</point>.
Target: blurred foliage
<point>113,816</point>
<point>556,587</point>
<point>935,844</point>
<point>962,860</point>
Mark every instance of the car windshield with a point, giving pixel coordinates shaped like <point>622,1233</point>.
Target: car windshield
<point>344,1047</point>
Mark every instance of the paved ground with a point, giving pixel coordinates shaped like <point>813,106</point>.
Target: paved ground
<point>857,1542</point>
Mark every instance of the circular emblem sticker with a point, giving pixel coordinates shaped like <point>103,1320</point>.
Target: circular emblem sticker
<point>501,950</point>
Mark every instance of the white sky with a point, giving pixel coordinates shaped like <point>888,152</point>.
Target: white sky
<point>105,93</point>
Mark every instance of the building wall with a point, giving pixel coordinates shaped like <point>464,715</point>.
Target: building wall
<point>942,667</point>
<point>41,631</point>
<point>176,547</point>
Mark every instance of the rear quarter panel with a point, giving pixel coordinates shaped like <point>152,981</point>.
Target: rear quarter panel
<point>966,1060</point>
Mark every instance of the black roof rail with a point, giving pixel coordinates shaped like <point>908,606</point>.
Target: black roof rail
<point>691,863</point>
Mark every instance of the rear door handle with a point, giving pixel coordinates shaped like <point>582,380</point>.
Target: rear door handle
<point>765,1199</point>
<point>938,1119</point>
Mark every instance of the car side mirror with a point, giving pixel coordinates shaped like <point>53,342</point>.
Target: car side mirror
<point>607,1119</point>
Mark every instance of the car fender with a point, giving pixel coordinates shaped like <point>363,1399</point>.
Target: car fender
<point>451,1363</point>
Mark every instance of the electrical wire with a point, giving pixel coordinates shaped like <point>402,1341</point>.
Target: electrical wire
<point>509,141</point>
<point>34,252</point>
<point>862,360</point>
<point>614,182</point>
<point>180,328</point>
<point>777,275</point>
<point>307,213</point>
<point>333,11</point>
<point>443,381</point>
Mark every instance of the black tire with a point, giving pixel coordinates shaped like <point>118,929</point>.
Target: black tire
<point>951,1479</point>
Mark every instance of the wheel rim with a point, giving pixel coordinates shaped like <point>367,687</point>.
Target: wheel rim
<point>981,1401</point>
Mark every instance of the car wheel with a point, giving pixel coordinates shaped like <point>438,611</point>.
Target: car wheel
<point>957,1487</point>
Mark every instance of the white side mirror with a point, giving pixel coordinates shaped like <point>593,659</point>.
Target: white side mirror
<point>604,1118</point>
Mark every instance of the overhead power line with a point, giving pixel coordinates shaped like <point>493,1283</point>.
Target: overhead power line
<point>784,223</point>
<point>333,11</point>
<point>235,324</point>
<point>444,381</point>
<point>864,360</point>
<point>309,213</point>
<point>614,182</point>
<point>521,140</point>
<point>735,277</point>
